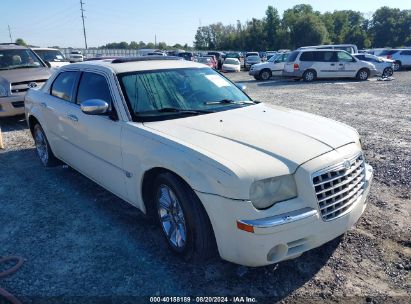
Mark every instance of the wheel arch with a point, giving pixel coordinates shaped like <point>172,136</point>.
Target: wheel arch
<point>146,191</point>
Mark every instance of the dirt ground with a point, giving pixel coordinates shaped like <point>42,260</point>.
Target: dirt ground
<point>84,245</point>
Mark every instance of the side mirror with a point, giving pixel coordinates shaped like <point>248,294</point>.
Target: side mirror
<point>94,107</point>
<point>241,86</point>
<point>47,63</point>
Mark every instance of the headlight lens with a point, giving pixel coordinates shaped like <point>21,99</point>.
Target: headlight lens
<point>265,193</point>
<point>3,91</point>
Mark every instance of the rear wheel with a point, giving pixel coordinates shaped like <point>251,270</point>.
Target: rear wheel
<point>388,72</point>
<point>265,74</point>
<point>183,219</point>
<point>397,65</point>
<point>309,75</point>
<point>363,74</point>
<point>43,147</point>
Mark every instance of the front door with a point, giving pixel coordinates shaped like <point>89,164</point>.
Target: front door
<point>95,140</point>
<point>347,65</point>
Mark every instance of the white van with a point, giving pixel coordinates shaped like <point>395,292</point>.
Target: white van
<point>313,63</point>
<point>350,48</point>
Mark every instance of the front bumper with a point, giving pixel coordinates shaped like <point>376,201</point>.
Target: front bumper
<point>283,231</point>
<point>373,73</point>
<point>253,72</point>
<point>11,105</point>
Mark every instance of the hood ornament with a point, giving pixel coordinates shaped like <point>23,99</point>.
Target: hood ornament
<point>32,84</point>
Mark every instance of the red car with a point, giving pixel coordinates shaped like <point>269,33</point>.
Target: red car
<point>213,59</point>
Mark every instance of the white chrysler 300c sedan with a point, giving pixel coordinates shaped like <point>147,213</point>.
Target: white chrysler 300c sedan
<point>219,171</point>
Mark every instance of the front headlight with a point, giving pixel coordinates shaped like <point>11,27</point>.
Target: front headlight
<point>266,192</point>
<point>3,91</point>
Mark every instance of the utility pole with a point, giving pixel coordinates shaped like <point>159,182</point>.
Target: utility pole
<point>11,39</point>
<point>82,17</point>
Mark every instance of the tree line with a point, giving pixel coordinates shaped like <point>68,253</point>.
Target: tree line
<point>302,26</point>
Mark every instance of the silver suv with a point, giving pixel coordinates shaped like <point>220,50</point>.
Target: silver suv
<point>20,69</point>
<point>315,63</point>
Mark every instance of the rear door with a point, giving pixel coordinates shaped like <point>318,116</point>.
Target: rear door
<point>325,63</point>
<point>55,107</point>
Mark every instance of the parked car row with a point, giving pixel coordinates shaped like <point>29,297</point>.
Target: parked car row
<point>310,63</point>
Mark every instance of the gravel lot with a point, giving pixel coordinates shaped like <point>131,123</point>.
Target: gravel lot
<point>82,244</point>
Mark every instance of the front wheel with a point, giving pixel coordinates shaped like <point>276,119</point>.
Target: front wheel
<point>397,66</point>
<point>43,147</point>
<point>183,219</point>
<point>388,72</point>
<point>363,74</point>
<point>265,74</point>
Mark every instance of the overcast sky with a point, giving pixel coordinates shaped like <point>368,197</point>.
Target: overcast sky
<point>51,22</point>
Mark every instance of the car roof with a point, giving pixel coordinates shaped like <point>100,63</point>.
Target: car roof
<point>44,49</point>
<point>10,46</point>
<point>137,65</point>
<point>319,50</point>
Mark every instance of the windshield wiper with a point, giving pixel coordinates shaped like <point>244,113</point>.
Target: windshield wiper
<point>24,67</point>
<point>229,101</point>
<point>177,111</point>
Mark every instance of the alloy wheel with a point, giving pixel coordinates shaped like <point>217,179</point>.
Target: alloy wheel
<point>171,217</point>
<point>41,145</point>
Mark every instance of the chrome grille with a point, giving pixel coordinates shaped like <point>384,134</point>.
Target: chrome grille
<point>338,187</point>
<point>22,86</point>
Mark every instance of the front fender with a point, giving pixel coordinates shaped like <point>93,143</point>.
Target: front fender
<point>144,150</point>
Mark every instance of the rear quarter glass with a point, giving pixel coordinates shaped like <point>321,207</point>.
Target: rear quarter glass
<point>293,56</point>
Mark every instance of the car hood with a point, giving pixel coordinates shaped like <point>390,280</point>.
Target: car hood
<point>261,65</point>
<point>20,75</point>
<point>261,140</point>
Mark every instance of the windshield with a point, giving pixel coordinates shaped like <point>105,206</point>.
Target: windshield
<point>18,59</point>
<point>273,58</point>
<point>232,61</point>
<point>253,58</point>
<point>51,55</point>
<point>152,95</point>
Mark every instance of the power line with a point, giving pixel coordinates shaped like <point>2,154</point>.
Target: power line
<point>11,39</point>
<point>82,17</point>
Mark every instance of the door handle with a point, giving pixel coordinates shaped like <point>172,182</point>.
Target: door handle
<point>332,64</point>
<point>72,117</point>
<point>341,64</point>
<point>43,104</point>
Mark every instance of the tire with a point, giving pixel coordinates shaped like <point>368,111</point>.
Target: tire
<point>388,72</point>
<point>309,76</point>
<point>183,220</point>
<point>256,77</point>
<point>265,74</point>
<point>397,66</point>
<point>363,74</point>
<point>43,147</point>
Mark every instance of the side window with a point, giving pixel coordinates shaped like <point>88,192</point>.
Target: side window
<point>405,53</point>
<point>344,57</point>
<point>63,85</point>
<point>362,57</point>
<point>93,86</point>
<point>324,56</point>
<point>306,56</point>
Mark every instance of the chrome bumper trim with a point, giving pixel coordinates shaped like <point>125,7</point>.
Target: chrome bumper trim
<point>281,219</point>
